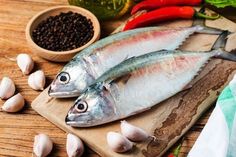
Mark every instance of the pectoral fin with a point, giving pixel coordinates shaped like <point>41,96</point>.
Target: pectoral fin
<point>122,79</point>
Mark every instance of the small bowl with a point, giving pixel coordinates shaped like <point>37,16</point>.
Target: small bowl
<point>59,56</point>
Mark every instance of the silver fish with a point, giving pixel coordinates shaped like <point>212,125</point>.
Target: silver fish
<point>147,80</point>
<point>92,62</point>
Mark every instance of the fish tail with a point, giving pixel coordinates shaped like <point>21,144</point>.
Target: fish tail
<point>221,41</point>
<point>219,46</point>
<point>231,56</point>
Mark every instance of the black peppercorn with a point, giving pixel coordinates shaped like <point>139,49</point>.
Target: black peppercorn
<point>63,32</point>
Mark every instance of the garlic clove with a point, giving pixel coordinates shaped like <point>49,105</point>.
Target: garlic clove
<point>37,80</point>
<point>25,63</point>
<point>118,143</point>
<point>42,145</point>
<point>14,104</point>
<point>132,132</point>
<point>74,146</point>
<point>7,88</point>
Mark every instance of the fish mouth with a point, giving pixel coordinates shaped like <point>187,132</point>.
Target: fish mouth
<point>78,124</point>
<point>64,94</point>
<point>81,125</point>
<point>75,124</point>
<point>70,94</point>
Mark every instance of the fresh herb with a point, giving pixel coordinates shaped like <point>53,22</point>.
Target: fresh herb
<point>176,151</point>
<point>222,3</point>
<point>104,9</point>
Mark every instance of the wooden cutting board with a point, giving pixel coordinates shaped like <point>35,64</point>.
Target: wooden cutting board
<point>167,121</point>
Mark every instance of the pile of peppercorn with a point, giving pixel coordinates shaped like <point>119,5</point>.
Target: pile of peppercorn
<point>63,32</point>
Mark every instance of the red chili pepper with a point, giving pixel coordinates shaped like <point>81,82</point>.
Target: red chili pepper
<point>171,155</point>
<point>163,14</point>
<point>154,4</point>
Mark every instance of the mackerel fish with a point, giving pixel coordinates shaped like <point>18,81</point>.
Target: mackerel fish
<point>138,83</point>
<point>93,61</point>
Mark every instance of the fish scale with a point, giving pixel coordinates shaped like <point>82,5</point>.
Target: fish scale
<point>95,60</point>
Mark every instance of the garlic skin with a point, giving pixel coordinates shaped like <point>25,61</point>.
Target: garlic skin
<point>132,132</point>
<point>42,145</point>
<point>74,146</point>
<point>37,80</point>
<point>118,143</point>
<point>25,63</point>
<point>14,104</point>
<point>7,88</point>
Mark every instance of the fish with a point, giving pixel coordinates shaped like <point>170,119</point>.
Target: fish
<point>139,83</point>
<point>104,54</point>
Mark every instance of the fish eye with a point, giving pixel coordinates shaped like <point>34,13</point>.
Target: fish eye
<point>64,77</point>
<point>81,107</point>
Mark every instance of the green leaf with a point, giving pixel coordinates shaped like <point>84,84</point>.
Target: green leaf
<point>222,3</point>
<point>177,150</point>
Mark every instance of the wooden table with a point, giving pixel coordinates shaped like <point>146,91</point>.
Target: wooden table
<point>18,130</point>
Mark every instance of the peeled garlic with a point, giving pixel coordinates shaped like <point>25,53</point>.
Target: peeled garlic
<point>42,145</point>
<point>118,143</point>
<point>25,63</point>
<point>132,132</point>
<point>74,146</point>
<point>7,88</point>
<point>14,104</point>
<point>37,80</point>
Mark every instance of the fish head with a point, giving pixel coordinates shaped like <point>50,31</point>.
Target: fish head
<point>71,81</point>
<point>92,108</point>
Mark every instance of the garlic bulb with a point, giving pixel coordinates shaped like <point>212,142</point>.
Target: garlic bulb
<point>25,63</point>
<point>37,80</point>
<point>74,146</point>
<point>14,104</point>
<point>132,132</point>
<point>118,143</point>
<point>42,145</point>
<point>7,88</point>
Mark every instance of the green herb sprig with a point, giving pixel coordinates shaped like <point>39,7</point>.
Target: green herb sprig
<point>222,3</point>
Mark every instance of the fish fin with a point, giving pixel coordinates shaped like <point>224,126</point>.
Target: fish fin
<point>123,79</point>
<point>221,41</point>
<point>106,84</point>
<point>231,56</point>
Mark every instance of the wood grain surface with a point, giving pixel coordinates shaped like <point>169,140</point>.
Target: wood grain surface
<point>17,130</point>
